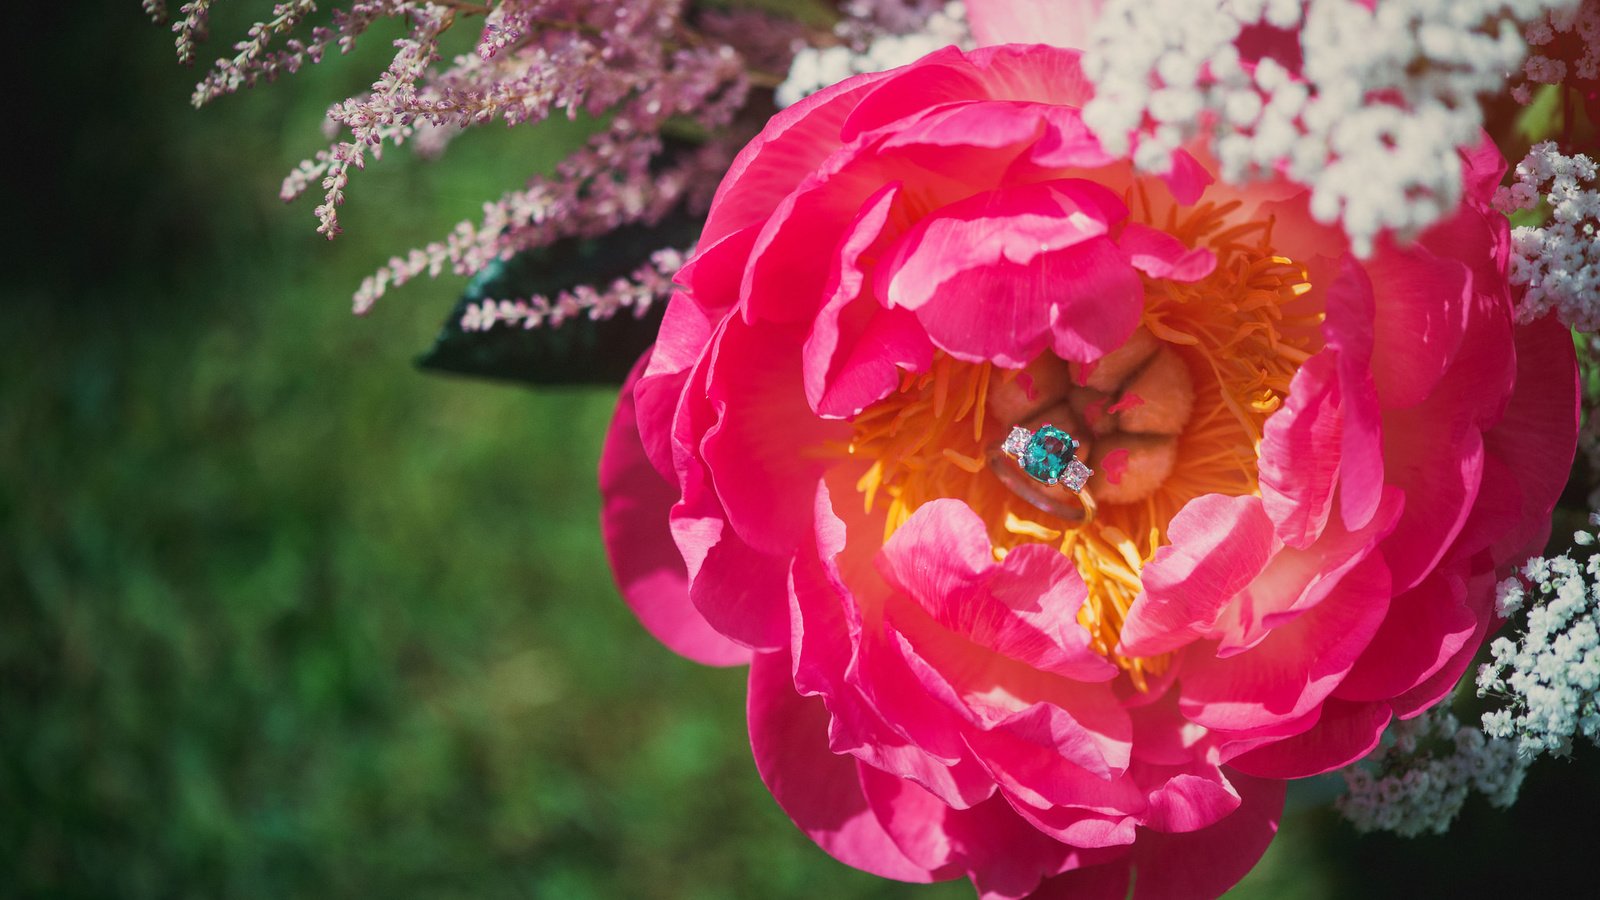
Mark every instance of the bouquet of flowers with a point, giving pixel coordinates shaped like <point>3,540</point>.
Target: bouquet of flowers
<point>1082,417</point>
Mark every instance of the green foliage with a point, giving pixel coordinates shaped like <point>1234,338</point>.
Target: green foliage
<point>580,350</point>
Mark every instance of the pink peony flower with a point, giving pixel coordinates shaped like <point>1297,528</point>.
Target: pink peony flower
<point>1308,470</point>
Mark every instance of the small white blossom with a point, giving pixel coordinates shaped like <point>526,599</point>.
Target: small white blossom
<point>1559,261</point>
<point>815,68</point>
<point>1386,94</point>
<point>1419,777</point>
<point>1549,675</point>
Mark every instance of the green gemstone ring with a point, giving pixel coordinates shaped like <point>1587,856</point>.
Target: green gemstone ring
<point>1047,456</point>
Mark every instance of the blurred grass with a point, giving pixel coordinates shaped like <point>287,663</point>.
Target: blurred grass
<point>284,617</point>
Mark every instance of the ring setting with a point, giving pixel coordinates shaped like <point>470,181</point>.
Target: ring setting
<point>1046,456</point>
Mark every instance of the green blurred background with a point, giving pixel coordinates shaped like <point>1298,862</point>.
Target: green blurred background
<point>284,617</point>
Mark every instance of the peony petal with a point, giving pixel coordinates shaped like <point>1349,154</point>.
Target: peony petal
<point>1299,465</point>
<point>1344,733</point>
<point>1349,331</point>
<point>1426,627</point>
<point>1419,321</point>
<point>1018,71</point>
<point>951,152</point>
<point>1442,682</point>
<point>823,637</point>
<point>819,790</point>
<point>762,447</point>
<point>1108,881</point>
<point>713,275</point>
<point>1160,255</point>
<point>650,571</point>
<point>1082,723</point>
<point>658,394</point>
<point>856,350</point>
<point>791,146</point>
<point>1218,545</point>
<point>999,275</point>
<point>1206,863</point>
<point>1024,608</point>
<point>1297,580</point>
<point>1187,802</point>
<point>738,590</point>
<point>1186,178</point>
<point>1295,668</point>
<point>1537,436</point>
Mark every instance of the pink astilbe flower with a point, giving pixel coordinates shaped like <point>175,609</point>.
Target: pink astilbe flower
<point>646,69</point>
<point>1309,467</point>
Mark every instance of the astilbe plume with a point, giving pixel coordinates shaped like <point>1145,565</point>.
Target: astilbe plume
<point>648,68</point>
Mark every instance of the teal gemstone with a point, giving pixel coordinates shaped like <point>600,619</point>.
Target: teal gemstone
<point>1048,454</point>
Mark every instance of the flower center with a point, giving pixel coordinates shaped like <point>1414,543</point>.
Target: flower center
<point>1175,413</point>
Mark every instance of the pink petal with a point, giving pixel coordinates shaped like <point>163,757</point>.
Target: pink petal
<point>1039,777</point>
<point>1218,545</point>
<point>1082,723</point>
<point>713,275</point>
<point>650,571</point>
<point>738,590</point>
<point>1160,255</point>
<point>1344,733</point>
<point>944,76</point>
<point>1295,668</point>
<point>792,145</point>
<point>1108,881</point>
<point>1436,454</point>
<point>1052,75</point>
<point>1420,319</point>
<point>1187,179</point>
<point>1443,681</point>
<point>1349,331</point>
<point>1299,464</point>
<point>764,445</point>
<point>1024,608</point>
<point>823,638</point>
<point>1000,275</point>
<point>947,153</point>
<point>1206,863</point>
<point>1537,436</point>
<point>1425,628</point>
<point>1189,802</point>
<point>1297,580</point>
<point>658,394</point>
<point>856,350</point>
<point>1006,856</point>
<point>819,790</point>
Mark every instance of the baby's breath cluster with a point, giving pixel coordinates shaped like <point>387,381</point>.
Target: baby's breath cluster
<point>1367,103</point>
<point>1419,777</point>
<point>1566,50</point>
<point>1549,673</point>
<point>874,38</point>
<point>1559,261</point>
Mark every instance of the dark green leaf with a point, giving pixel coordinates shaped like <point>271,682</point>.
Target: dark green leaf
<point>581,350</point>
